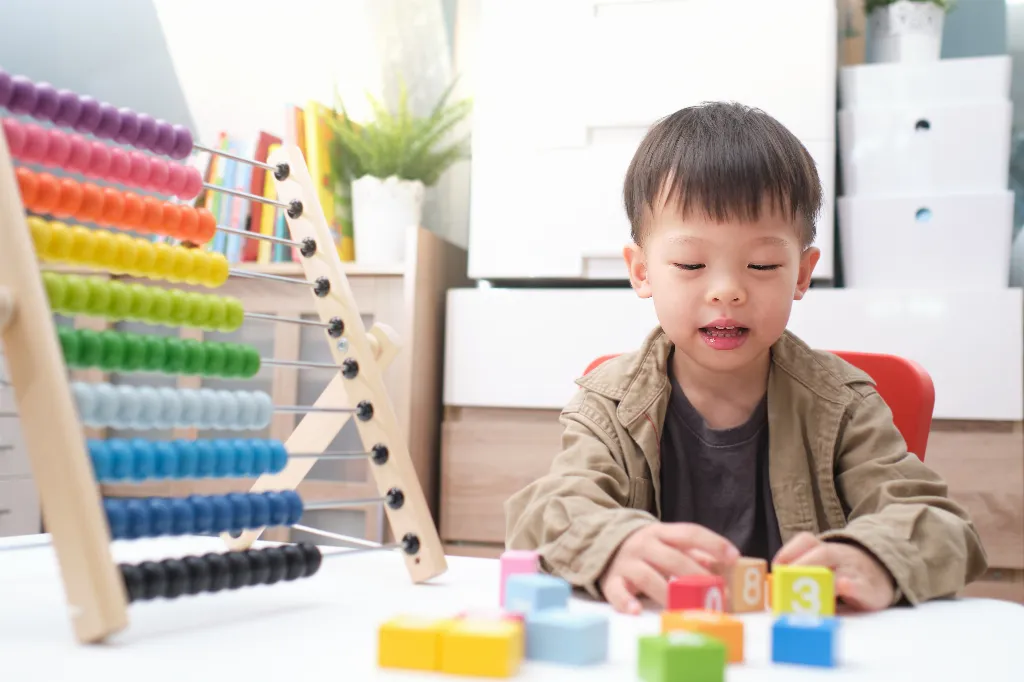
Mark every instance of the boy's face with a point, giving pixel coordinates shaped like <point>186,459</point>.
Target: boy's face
<point>722,291</point>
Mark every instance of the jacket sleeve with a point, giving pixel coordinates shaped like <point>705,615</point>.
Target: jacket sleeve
<point>900,511</point>
<point>578,514</point>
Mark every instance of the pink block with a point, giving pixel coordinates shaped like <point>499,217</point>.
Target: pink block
<point>490,615</point>
<point>516,561</point>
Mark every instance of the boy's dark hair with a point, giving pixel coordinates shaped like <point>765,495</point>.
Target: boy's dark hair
<point>727,160</point>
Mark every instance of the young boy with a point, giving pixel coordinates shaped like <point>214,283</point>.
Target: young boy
<point>724,434</point>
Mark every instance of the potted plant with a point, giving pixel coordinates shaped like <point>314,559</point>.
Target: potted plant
<point>388,162</point>
<point>906,30</point>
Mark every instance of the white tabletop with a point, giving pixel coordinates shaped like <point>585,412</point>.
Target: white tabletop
<point>325,627</point>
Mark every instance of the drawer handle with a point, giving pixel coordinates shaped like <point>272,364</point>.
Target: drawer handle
<point>922,124</point>
<point>4,511</point>
<point>923,215</point>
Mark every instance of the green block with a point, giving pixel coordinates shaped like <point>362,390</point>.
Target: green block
<point>681,657</point>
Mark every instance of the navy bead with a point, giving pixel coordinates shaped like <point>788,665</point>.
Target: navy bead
<point>117,518</point>
<point>198,574</point>
<point>278,508</point>
<point>134,583</point>
<point>182,517</point>
<point>241,511</point>
<point>259,565</point>
<point>244,457</point>
<point>206,459</point>
<point>224,459</point>
<point>177,578</point>
<point>222,516</point>
<point>278,564</point>
<point>220,571</point>
<point>260,511</point>
<point>138,519</point>
<point>159,517</point>
<point>294,507</point>
<point>154,579</point>
<point>240,572</point>
<point>278,456</point>
<point>166,460</point>
<point>203,514</point>
<point>296,562</point>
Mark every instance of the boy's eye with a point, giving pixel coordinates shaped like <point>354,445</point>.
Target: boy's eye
<point>689,266</point>
<point>756,266</point>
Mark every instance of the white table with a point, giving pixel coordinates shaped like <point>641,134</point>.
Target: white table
<point>325,628</point>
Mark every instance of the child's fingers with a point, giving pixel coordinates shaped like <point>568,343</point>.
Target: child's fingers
<point>796,548</point>
<point>690,536</point>
<point>861,594</point>
<point>619,595</point>
<point>824,554</point>
<point>671,561</point>
<point>648,581</point>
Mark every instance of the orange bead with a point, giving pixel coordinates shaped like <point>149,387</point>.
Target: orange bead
<point>92,203</point>
<point>131,218</point>
<point>171,220</point>
<point>188,224</point>
<point>47,193</point>
<point>70,198</point>
<point>207,226</point>
<point>113,206</point>
<point>28,183</point>
<point>152,215</point>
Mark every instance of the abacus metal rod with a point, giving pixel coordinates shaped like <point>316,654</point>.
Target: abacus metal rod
<point>229,155</point>
<point>312,408</point>
<point>336,536</point>
<point>265,275</point>
<point>245,195</point>
<point>299,363</point>
<point>264,237</point>
<point>342,504</point>
<point>293,320</point>
<point>8,415</point>
<point>361,550</point>
<point>6,446</point>
<point>326,455</point>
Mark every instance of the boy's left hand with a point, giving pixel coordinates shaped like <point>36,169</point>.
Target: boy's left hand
<point>861,581</point>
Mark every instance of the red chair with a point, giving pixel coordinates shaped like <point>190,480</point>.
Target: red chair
<point>903,384</point>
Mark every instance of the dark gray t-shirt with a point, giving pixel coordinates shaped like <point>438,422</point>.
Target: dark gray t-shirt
<point>718,478</point>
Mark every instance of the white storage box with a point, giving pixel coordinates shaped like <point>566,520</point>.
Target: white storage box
<point>938,241</point>
<point>924,148</point>
<point>943,82</point>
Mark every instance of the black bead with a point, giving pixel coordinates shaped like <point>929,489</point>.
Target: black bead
<point>410,543</point>
<point>395,498</point>
<point>198,574</point>
<point>308,247</point>
<point>364,410</point>
<point>294,209</point>
<point>154,580</point>
<point>313,557</point>
<point>134,583</point>
<point>380,453</point>
<point>278,564</point>
<point>177,578</point>
<point>322,287</point>
<point>349,368</point>
<point>220,571</point>
<point>335,327</point>
<point>260,565</point>
<point>239,572</point>
<point>296,562</point>
<point>282,171</point>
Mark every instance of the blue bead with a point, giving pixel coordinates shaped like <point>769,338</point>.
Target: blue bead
<point>244,457</point>
<point>567,637</point>
<point>260,510</point>
<point>117,518</point>
<point>278,456</point>
<point>159,517</point>
<point>530,592</point>
<point>138,519</point>
<point>202,513</point>
<point>224,458</point>
<point>278,508</point>
<point>188,459</point>
<point>241,511</point>
<point>222,513</point>
<point>182,517</point>
<point>805,640</point>
<point>166,464</point>
<point>261,456</point>
<point>122,459</point>
<point>101,460</point>
<point>206,458</point>
<point>294,506</point>
<point>143,459</point>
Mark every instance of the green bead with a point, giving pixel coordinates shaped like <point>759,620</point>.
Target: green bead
<point>134,352</point>
<point>181,307</point>
<point>120,301</point>
<point>251,362</point>
<point>142,302</point>
<point>156,350</point>
<point>199,310</point>
<point>174,356</point>
<point>234,315</point>
<point>76,295</point>
<point>68,338</point>
<point>215,356</point>
<point>218,312</point>
<point>160,310</point>
<point>99,297</point>
<point>680,656</point>
<point>112,356</point>
<point>232,361</point>
<point>90,348</point>
<point>56,290</point>
<point>195,356</point>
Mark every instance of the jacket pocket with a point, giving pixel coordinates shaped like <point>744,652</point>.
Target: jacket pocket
<point>641,494</point>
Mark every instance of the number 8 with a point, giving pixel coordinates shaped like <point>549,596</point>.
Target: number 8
<point>751,586</point>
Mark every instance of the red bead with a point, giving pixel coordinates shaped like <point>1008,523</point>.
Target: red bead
<point>99,160</point>
<point>28,183</point>
<point>15,134</point>
<point>193,183</point>
<point>113,206</point>
<point>171,220</point>
<point>207,226</point>
<point>92,203</point>
<point>78,159</point>
<point>188,226</point>
<point>152,215</point>
<point>120,166</point>
<point>47,193</point>
<point>58,150</point>
<point>71,196</point>
<point>158,174</point>
<point>132,217</point>
<point>36,142</point>
<point>706,592</point>
<point>139,173</point>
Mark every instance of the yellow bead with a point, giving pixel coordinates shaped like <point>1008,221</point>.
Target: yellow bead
<point>127,250</point>
<point>105,249</point>
<point>218,270</point>
<point>145,259</point>
<point>482,648</point>
<point>164,262</point>
<point>60,242</point>
<point>83,244</point>
<point>41,232</point>
<point>411,643</point>
<point>182,265</point>
<point>200,267</point>
<point>804,590</point>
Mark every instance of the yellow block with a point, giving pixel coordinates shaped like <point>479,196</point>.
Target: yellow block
<point>484,648</point>
<point>411,642</point>
<point>804,590</point>
<point>721,626</point>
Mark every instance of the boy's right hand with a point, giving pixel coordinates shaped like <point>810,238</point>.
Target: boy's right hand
<point>651,556</point>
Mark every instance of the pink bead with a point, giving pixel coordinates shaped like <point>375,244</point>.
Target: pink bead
<point>36,142</point>
<point>515,561</point>
<point>158,174</point>
<point>139,173</point>
<point>193,183</point>
<point>176,179</point>
<point>78,159</point>
<point>120,166</point>
<point>99,160</point>
<point>58,149</point>
<point>15,134</point>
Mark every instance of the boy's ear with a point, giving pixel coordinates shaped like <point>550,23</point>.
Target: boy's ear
<point>808,259</point>
<point>636,262</point>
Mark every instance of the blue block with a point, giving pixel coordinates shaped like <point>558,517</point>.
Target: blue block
<point>566,637</point>
<point>530,592</point>
<point>805,640</point>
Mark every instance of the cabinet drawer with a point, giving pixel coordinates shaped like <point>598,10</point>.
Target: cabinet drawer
<point>19,507</point>
<point>13,455</point>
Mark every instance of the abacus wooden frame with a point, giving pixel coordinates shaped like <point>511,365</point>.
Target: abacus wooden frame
<point>69,494</point>
<point>316,430</point>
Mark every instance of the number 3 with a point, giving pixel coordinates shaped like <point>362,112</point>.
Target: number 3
<point>810,591</point>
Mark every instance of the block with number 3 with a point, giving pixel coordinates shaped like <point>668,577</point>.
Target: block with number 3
<point>803,590</point>
<point>745,589</point>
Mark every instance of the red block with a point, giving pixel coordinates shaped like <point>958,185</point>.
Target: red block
<point>704,592</point>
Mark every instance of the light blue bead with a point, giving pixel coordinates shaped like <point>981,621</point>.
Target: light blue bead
<point>85,401</point>
<point>264,409</point>
<point>566,637</point>
<point>805,640</point>
<point>107,404</point>
<point>247,411</point>
<point>529,592</point>
<point>127,408</point>
<point>191,408</point>
<point>149,411</point>
<point>170,408</point>
<point>210,414</point>
<point>228,418</point>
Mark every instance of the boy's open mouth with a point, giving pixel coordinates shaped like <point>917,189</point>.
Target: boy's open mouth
<point>723,332</point>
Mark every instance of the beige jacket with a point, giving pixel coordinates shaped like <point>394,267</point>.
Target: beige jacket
<point>838,467</point>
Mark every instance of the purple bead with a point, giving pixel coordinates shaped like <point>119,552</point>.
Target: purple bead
<point>23,96</point>
<point>6,88</point>
<point>47,102</point>
<point>89,116</point>
<point>182,142</point>
<point>147,132</point>
<point>129,131</point>
<point>69,107</point>
<point>110,122</point>
<point>164,138</point>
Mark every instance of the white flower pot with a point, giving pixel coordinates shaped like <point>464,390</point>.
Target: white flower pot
<point>906,31</point>
<point>382,212</point>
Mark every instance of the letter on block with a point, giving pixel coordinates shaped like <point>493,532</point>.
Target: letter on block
<point>567,637</point>
<point>411,642</point>
<point>482,648</point>
<point>803,590</point>
<point>804,640</point>
<point>715,624</point>
<point>517,561</point>
<point>746,585</point>
<point>680,656</point>
<point>706,592</point>
<point>526,593</point>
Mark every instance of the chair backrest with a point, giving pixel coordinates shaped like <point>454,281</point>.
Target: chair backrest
<point>904,385</point>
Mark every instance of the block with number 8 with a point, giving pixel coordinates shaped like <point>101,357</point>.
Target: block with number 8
<point>803,590</point>
<point>705,592</point>
<point>745,591</point>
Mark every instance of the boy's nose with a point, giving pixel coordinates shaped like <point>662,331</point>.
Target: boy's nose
<point>726,292</point>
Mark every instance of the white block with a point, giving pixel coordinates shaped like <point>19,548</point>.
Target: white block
<point>943,82</point>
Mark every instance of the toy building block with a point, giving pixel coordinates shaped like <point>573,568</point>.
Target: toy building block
<point>527,593</point>
<point>490,614</point>
<point>482,648</point>
<point>514,562</point>
<point>804,590</point>
<point>768,592</point>
<point>705,592</point>
<point>411,642</point>
<point>721,626</point>
<point>567,637</point>
<point>688,656</point>
<point>745,591</point>
<point>805,640</point>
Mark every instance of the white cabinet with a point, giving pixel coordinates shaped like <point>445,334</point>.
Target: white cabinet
<point>19,501</point>
<point>566,89</point>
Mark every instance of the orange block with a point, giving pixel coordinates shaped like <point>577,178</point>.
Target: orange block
<point>721,626</point>
<point>746,585</point>
<point>768,591</point>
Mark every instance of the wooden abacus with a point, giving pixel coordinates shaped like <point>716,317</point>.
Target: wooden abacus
<point>67,468</point>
